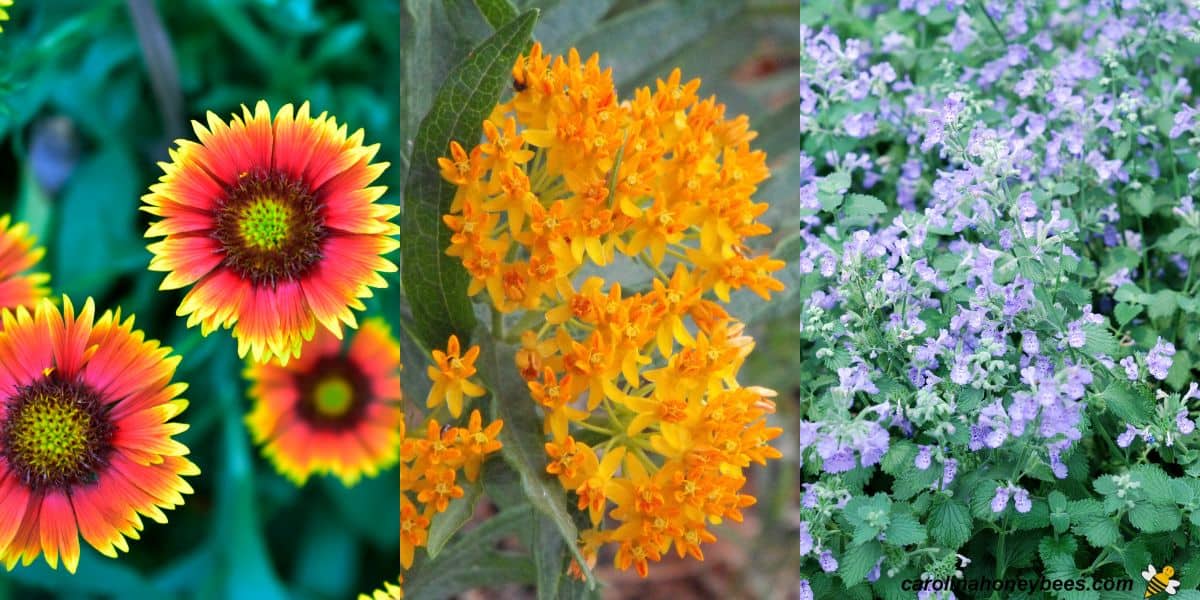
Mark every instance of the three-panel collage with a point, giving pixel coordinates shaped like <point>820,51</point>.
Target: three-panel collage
<point>599,299</point>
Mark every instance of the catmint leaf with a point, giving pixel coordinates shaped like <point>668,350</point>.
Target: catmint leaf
<point>1126,312</point>
<point>1162,304</point>
<point>858,561</point>
<point>949,522</point>
<point>862,205</point>
<point>1058,556</point>
<point>1066,188</point>
<point>436,284</point>
<point>1098,340</point>
<point>1131,293</point>
<point>1142,201</point>
<point>1037,517</point>
<point>1154,518</point>
<point>835,183</point>
<point>1128,405</point>
<point>1099,530</point>
<point>904,529</point>
<point>899,457</point>
<point>1057,501</point>
<point>1154,484</point>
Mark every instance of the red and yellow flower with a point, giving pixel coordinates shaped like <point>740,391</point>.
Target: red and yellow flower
<point>275,225</point>
<point>335,410</point>
<point>86,444</point>
<point>18,254</point>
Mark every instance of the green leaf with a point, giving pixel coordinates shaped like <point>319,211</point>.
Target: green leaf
<point>1154,483</point>
<point>862,205</point>
<point>1066,188</point>
<point>1058,556</point>
<point>1126,312</point>
<point>436,284</point>
<point>1154,518</point>
<point>1142,201</point>
<point>96,240</point>
<point>445,524</point>
<point>1162,304</point>
<point>837,182</point>
<point>904,529</point>
<point>1126,403</point>
<point>523,442</point>
<point>1098,340</point>
<point>497,12</point>
<point>566,21</point>
<point>636,40</point>
<point>1100,531</point>
<point>858,561</point>
<point>949,522</point>
<point>1131,293</point>
<point>472,561</point>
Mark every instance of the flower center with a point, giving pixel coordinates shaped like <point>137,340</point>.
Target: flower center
<point>56,434</point>
<point>334,394</point>
<point>265,224</point>
<point>269,227</point>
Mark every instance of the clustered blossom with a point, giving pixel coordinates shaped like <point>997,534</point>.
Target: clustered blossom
<point>647,426</point>
<point>1007,284</point>
<point>429,468</point>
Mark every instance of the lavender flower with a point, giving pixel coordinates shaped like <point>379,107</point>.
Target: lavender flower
<point>1000,500</point>
<point>804,591</point>
<point>806,539</point>
<point>828,563</point>
<point>1021,500</point>
<point>1159,360</point>
<point>924,456</point>
<point>1183,424</point>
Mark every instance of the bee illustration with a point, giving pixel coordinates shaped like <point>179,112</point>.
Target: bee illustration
<point>1160,582</point>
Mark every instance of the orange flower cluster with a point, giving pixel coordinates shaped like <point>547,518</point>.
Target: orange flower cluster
<point>429,474</point>
<point>662,175</point>
<point>648,425</point>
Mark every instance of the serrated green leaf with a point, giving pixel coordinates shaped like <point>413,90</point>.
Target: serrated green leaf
<point>1142,201</point>
<point>1066,188</point>
<point>523,442</point>
<point>857,561</point>
<point>1162,304</point>
<point>1126,312</point>
<point>1131,293</point>
<point>445,524</point>
<point>904,529</point>
<point>1127,404</point>
<point>860,205</point>
<point>899,457</point>
<point>496,12</point>
<point>949,522</point>
<point>1098,340</point>
<point>436,284</point>
<point>1099,530</point>
<point>1154,484</point>
<point>1154,518</point>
